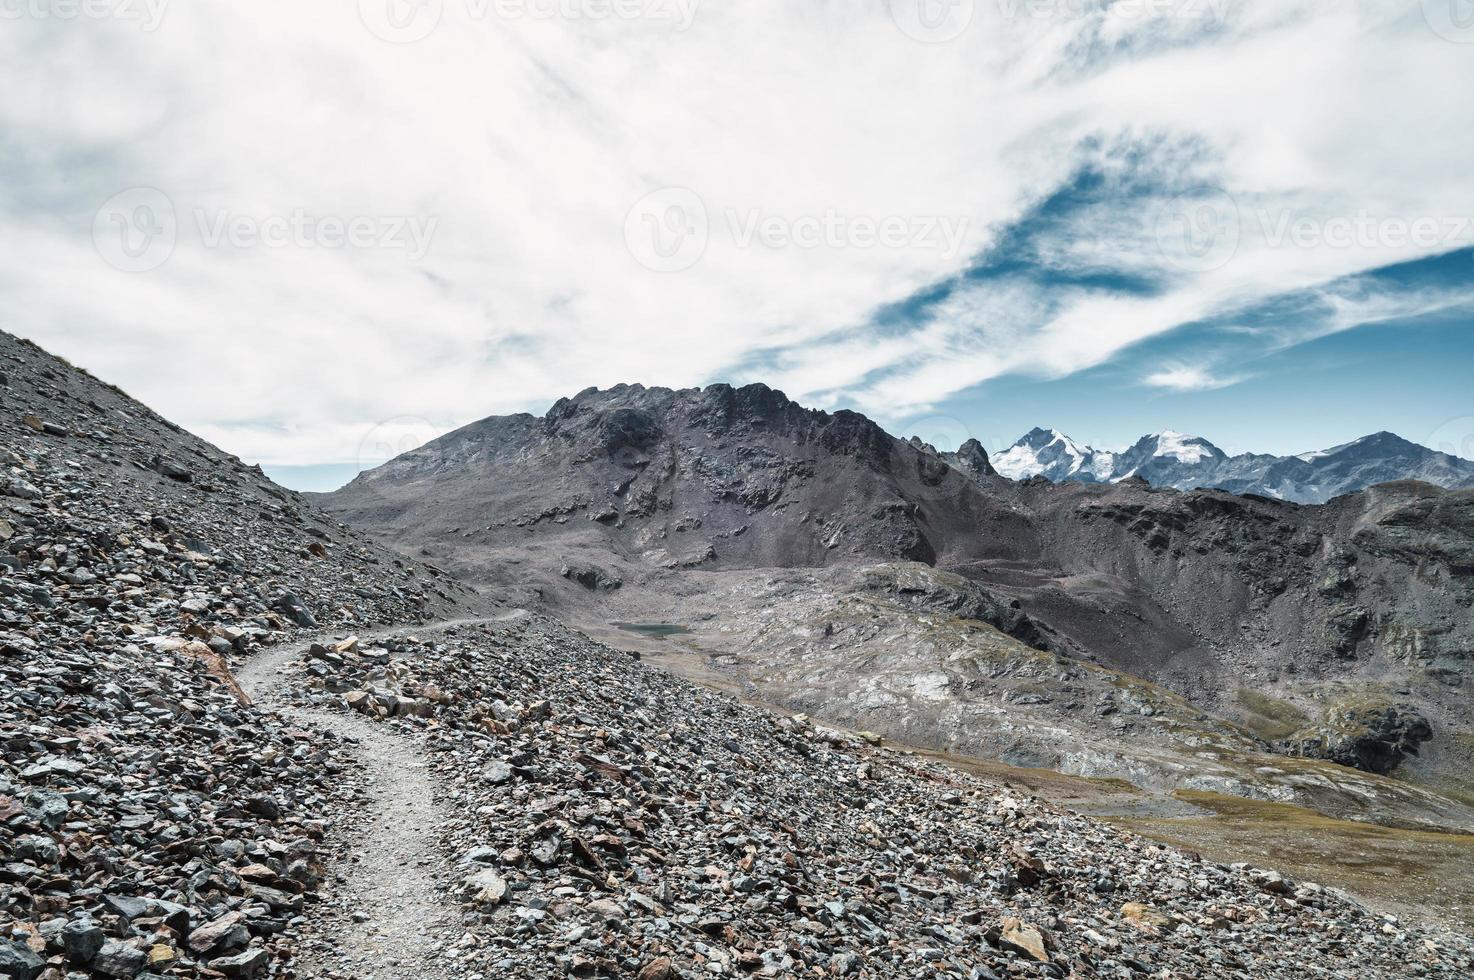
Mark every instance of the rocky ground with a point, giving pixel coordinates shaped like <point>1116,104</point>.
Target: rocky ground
<point>611,820</point>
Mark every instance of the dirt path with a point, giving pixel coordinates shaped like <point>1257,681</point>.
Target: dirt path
<point>388,918</point>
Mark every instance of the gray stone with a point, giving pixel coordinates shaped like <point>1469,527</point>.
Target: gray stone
<point>17,962</point>
<point>81,941</point>
<point>121,960</point>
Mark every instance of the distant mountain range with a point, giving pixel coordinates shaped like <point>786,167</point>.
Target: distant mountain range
<point>1171,459</point>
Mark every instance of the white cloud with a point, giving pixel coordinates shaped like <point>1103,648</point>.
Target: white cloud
<point>529,139</point>
<point>1188,377</point>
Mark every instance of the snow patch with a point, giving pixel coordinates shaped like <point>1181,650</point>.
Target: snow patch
<point>1183,448</point>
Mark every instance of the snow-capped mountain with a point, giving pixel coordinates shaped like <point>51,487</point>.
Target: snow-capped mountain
<point>1168,458</point>
<point>1172,459</point>
<point>1051,453</point>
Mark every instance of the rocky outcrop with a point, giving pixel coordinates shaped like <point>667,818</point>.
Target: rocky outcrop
<point>930,591</point>
<point>1371,735</point>
<point>742,475</point>
<point>592,577</point>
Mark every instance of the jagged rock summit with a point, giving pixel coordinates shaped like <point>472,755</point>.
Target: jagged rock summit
<point>718,476</point>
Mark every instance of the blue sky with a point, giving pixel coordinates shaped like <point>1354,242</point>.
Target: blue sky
<point>318,238</point>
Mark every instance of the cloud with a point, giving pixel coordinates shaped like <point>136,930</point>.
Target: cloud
<point>529,139</point>
<point>1188,377</point>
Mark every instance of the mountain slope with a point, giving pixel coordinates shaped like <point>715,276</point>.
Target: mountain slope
<point>150,815</point>
<point>1171,459</point>
<point>1347,623</point>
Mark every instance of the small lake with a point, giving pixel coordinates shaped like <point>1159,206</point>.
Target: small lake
<point>657,630</point>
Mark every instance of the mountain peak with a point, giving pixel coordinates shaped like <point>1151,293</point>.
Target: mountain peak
<point>1182,447</point>
<point>1051,453</point>
<point>1378,443</point>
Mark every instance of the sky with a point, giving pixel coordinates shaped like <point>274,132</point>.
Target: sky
<point>321,234</point>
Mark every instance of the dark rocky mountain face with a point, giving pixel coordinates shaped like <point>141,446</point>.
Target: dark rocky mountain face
<point>719,477</point>
<point>1339,632</point>
<point>1170,459</point>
